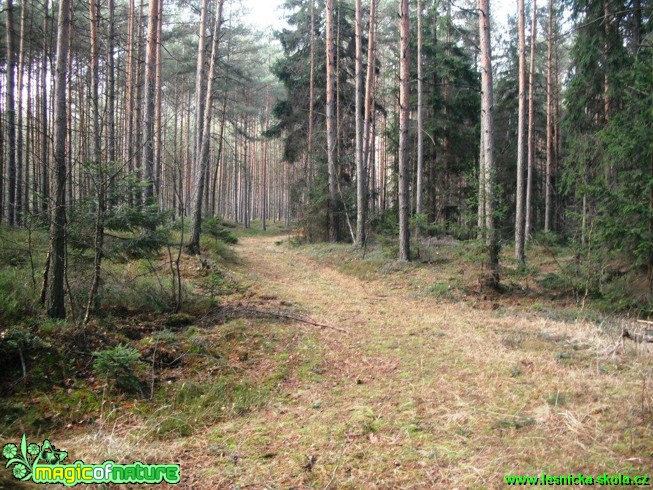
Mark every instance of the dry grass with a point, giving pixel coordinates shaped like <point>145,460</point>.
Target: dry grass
<point>423,392</point>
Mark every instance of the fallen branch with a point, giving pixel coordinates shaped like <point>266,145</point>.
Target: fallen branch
<point>280,314</point>
<point>646,322</point>
<point>646,336</point>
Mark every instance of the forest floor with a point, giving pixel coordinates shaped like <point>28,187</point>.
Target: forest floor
<point>410,389</point>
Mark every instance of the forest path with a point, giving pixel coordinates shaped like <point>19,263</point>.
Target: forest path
<point>419,394</point>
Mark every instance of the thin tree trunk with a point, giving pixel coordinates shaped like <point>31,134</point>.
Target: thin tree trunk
<point>45,164</point>
<point>521,126</point>
<point>158,128</point>
<point>420,123</point>
<point>311,102</point>
<point>200,80</point>
<point>404,109</point>
<point>531,129</point>
<point>203,156</point>
<point>128,151</point>
<point>111,97</point>
<point>10,109</point>
<point>21,199</point>
<point>150,101</point>
<point>56,289</point>
<point>361,199</point>
<point>549,122</point>
<point>331,124</point>
<point>264,197</point>
<point>370,95</point>
<point>487,113</point>
<point>481,186</point>
<point>94,11</point>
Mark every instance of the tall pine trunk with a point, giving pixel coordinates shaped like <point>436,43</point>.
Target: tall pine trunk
<point>361,197</point>
<point>549,123</point>
<point>10,110</point>
<point>21,199</point>
<point>150,101</point>
<point>487,115</point>
<point>203,156</point>
<point>370,87</point>
<point>56,304</point>
<point>521,126</point>
<point>420,122</point>
<point>531,130</point>
<point>331,124</point>
<point>404,109</point>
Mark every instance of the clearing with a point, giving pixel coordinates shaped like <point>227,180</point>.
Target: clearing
<point>420,392</point>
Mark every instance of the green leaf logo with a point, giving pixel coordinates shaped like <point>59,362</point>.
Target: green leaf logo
<point>24,457</point>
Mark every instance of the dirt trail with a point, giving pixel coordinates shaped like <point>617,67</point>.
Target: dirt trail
<point>422,395</point>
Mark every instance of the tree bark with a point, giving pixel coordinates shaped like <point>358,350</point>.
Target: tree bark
<point>404,101</point>
<point>94,16</point>
<point>311,102</point>
<point>361,198</point>
<point>200,80</point>
<point>10,110</point>
<point>331,124</point>
<point>549,122</point>
<point>370,90</point>
<point>521,126</point>
<point>21,167</point>
<point>420,122</point>
<point>203,156</point>
<point>150,101</point>
<point>487,113</point>
<point>56,291</point>
<point>45,164</point>
<point>531,129</point>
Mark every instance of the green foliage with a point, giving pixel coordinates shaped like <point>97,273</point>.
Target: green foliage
<point>386,224</point>
<point>18,297</point>
<point>119,366</point>
<point>215,284</point>
<point>140,246</point>
<point>143,294</point>
<point>17,343</point>
<point>216,228</point>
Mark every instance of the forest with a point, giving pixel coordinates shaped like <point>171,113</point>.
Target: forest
<point>383,244</point>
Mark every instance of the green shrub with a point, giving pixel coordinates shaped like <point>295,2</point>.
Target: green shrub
<point>17,297</point>
<point>143,294</point>
<point>216,228</point>
<point>119,366</point>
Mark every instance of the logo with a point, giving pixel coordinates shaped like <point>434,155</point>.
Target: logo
<point>45,464</point>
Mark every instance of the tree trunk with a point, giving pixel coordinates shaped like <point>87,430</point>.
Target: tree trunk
<point>200,80</point>
<point>94,16</point>
<point>487,113</point>
<point>420,122</point>
<point>21,199</point>
<point>531,129</point>
<point>10,110</point>
<point>45,164</point>
<point>130,69</point>
<point>361,198</point>
<point>404,109</point>
<point>158,118</point>
<point>521,126</point>
<point>481,186</point>
<point>549,122</point>
<point>370,94</point>
<point>56,303</point>
<point>150,101</point>
<point>311,102</point>
<point>331,124</point>
<point>203,156</point>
